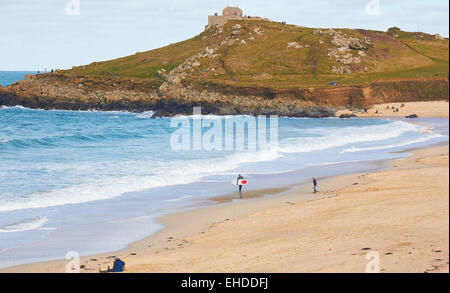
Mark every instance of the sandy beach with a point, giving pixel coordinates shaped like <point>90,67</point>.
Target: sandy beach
<point>400,213</point>
<point>421,109</point>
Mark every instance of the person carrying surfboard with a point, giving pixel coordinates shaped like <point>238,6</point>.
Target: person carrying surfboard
<point>239,183</point>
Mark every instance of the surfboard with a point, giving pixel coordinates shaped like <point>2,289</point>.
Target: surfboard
<point>242,181</point>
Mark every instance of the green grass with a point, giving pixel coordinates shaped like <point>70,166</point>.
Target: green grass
<point>267,61</point>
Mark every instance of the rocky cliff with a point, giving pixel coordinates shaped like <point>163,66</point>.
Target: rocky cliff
<point>60,92</point>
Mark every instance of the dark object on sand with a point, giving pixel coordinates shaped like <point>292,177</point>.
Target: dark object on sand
<point>118,266</point>
<point>412,116</point>
<point>342,116</point>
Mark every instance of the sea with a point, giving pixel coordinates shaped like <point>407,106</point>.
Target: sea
<point>10,77</point>
<point>93,182</point>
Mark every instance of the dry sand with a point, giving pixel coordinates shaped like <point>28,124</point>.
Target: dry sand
<point>401,213</point>
<point>422,109</point>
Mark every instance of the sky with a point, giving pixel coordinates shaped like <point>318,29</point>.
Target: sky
<point>39,34</point>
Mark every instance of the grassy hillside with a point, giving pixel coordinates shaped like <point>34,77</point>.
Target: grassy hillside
<point>265,57</point>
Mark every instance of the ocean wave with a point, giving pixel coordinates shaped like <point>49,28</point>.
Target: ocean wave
<point>337,137</point>
<point>391,146</point>
<point>14,107</point>
<point>26,225</point>
<point>131,175</point>
<point>165,174</point>
<point>58,140</point>
<point>145,115</point>
<point>3,107</point>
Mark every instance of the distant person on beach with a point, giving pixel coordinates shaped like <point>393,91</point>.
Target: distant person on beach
<point>118,266</point>
<point>237,183</point>
<point>314,184</point>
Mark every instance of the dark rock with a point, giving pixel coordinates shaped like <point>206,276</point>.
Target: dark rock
<point>346,116</point>
<point>412,116</point>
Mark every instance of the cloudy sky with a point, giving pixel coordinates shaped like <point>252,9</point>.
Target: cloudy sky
<point>38,34</point>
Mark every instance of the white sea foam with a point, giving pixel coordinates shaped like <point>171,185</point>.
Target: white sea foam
<point>17,106</point>
<point>179,198</point>
<point>141,176</point>
<point>63,110</point>
<point>336,137</point>
<point>391,146</point>
<point>145,115</point>
<point>167,174</point>
<point>26,225</point>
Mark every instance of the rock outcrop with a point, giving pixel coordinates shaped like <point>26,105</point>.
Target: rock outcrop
<point>294,45</point>
<point>345,49</point>
<point>78,93</point>
<point>175,77</point>
<point>58,91</point>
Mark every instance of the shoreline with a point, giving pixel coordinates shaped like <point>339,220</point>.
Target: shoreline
<point>206,217</point>
<point>430,109</point>
<point>168,221</point>
<point>425,109</point>
<point>203,220</point>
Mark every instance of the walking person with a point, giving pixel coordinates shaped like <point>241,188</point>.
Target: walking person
<point>240,185</point>
<point>314,180</point>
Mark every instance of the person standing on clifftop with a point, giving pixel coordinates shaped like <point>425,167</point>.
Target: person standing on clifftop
<point>314,184</point>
